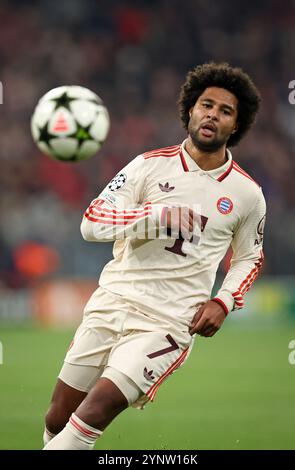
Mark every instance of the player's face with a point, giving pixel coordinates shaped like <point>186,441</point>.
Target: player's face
<point>213,119</point>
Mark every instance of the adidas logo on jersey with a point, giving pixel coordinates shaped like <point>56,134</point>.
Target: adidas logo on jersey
<point>148,375</point>
<point>166,188</point>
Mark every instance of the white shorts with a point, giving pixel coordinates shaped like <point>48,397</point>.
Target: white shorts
<point>114,333</point>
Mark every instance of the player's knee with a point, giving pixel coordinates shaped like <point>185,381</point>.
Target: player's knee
<point>95,414</point>
<point>56,419</point>
<point>104,404</point>
<point>65,401</point>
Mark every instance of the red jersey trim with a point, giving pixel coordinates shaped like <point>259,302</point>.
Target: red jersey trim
<point>98,214</point>
<point>182,158</point>
<point>243,172</point>
<point>220,178</point>
<point>247,282</point>
<point>164,152</point>
<point>221,303</point>
<point>154,388</point>
<point>226,173</point>
<point>238,298</point>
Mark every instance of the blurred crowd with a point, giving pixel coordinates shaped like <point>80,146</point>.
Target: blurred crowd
<point>135,55</point>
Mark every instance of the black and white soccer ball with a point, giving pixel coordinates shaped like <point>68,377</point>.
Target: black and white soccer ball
<point>70,123</point>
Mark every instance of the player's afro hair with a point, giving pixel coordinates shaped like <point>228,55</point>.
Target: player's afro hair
<point>223,76</point>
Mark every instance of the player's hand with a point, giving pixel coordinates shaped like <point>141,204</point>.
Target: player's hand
<point>208,319</point>
<point>181,220</point>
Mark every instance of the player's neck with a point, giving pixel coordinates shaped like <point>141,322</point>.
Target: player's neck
<point>206,161</point>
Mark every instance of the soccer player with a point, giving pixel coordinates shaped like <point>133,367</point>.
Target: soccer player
<point>173,213</point>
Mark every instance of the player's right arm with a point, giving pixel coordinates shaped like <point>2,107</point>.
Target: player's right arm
<point>121,210</point>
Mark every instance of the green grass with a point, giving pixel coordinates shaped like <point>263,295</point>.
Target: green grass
<point>236,391</point>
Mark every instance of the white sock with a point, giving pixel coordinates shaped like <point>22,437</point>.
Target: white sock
<point>47,436</point>
<point>77,435</point>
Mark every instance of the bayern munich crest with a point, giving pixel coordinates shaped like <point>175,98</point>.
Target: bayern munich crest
<point>117,182</point>
<point>224,205</point>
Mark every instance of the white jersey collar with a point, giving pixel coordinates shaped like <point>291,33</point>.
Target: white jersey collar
<point>218,173</point>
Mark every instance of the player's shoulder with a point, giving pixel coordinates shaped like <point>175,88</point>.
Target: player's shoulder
<point>162,153</point>
<point>243,179</point>
<point>246,190</point>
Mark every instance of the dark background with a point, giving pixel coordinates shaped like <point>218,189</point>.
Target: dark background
<point>135,55</point>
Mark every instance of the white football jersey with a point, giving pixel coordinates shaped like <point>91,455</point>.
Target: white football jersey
<point>168,277</point>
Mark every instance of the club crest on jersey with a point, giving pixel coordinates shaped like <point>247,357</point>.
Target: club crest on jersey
<point>117,182</point>
<point>224,205</point>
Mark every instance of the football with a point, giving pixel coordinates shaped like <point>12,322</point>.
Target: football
<point>70,123</point>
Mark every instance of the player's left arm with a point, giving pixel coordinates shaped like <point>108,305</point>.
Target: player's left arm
<point>245,266</point>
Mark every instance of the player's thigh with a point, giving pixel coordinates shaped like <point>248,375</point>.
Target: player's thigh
<point>87,357</point>
<point>80,377</point>
<point>148,358</point>
<point>93,341</point>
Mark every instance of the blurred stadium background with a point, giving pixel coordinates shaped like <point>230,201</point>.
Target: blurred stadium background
<point>237,390</point>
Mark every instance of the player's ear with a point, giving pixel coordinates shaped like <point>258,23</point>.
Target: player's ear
<point>235,128</point>
<point>190,111</point>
